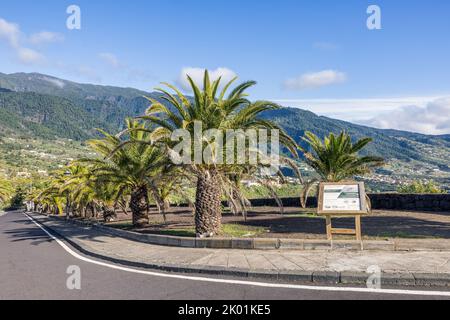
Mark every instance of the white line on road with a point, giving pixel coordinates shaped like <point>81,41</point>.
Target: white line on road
<point>239,282</point>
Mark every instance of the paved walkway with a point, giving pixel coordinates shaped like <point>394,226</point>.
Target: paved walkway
<point>261,260</point>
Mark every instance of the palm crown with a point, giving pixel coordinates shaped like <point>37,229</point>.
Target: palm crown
<point>215,109</point>
<point>5,190</point>
<point>132,169</point>
<point>336,158</point>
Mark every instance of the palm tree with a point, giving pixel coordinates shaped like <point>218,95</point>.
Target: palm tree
<point>131,169</point>
<point>215,110</point>
<point>82,194</point>
<point>336,159</point>
<point>50,199</point>
<point>5,190</point>
<point>170,182</point>
<point>237,201</point>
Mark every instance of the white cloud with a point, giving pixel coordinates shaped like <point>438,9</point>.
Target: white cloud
<point>315,80</point>
<point>11,33</point>
<point>57,82</point>
<point>434,118</point>
<point>354,109</point>
<point>197,75</point>
<point>46,37</point>
<point>426,114</point>
<point>29,56</point>
<point>110,59</point>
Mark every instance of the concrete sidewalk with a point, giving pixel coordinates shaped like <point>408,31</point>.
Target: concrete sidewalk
<point>399,268</point>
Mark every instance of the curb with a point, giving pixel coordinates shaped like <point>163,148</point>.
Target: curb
<point>399,245</point>
<point>314,277</point>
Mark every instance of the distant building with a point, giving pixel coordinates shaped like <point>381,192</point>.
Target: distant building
<point>248,183</point>
<point>42,173</point>
<point>23,174</point>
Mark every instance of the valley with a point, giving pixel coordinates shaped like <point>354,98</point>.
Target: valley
<point>44,122</point>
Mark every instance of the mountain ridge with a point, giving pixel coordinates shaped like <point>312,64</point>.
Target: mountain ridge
<point>108,106</point>
<point>129,92</point>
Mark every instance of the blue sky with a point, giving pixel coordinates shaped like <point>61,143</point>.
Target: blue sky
<point>318,55</point>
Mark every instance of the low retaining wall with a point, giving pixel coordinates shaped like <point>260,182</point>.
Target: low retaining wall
<point>413,202</point>
<point>380,201</point>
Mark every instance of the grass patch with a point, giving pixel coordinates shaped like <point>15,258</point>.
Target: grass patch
<point>305,215</point>
<point>239,231</point>
<point>403,235</point>
<point>188,232</point>
<point>228,230</point>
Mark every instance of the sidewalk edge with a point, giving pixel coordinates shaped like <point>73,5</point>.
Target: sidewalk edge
<point>318,277</point>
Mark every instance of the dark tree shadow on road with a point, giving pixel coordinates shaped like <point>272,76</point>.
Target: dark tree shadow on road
<point>29,234</point>
<point>38,236</point>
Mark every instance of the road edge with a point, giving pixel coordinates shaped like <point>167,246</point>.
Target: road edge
<point>394,245</point>
<point>318,277</point>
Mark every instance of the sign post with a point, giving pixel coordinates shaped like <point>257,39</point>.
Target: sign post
<point>342,199</point>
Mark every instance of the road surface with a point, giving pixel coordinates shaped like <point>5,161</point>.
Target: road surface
<point>34,266</point>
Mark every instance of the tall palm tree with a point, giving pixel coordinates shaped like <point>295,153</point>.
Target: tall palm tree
<point>336,159</point>
<point>216,110</point>
<point>132,169</point>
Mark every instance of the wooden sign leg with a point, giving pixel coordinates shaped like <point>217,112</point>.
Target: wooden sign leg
<point>358,228</point>
<point>329,228</point>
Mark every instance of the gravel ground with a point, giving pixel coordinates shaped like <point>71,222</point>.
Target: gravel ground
<point>303,224</point>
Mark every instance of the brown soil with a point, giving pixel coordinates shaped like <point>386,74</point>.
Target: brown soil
<point>302,224</point>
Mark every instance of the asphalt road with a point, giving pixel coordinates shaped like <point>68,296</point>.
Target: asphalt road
<point>33,266</point>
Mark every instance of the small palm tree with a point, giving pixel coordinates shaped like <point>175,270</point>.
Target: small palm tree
<point>216,110</point>
<point>336,159</point>
<point>82,193</point>
<point>50,199</point>
<point>132,169</point>
<point>5,190</point>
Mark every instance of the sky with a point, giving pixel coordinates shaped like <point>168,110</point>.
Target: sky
<point>318,55</point>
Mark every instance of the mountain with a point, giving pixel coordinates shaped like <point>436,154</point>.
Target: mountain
<point>49,107</point>
<point>107,104</point>
<point>387,143</point>
<point>45,116</point>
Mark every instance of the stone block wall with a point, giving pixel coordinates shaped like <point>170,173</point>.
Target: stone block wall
<point>380,201</point>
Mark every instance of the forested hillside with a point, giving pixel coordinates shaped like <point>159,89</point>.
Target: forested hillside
<point>45,107</point>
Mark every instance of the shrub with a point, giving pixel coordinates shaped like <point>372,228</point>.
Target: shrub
<point>420,187</point>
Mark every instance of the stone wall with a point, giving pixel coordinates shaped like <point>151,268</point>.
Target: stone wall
<point>412,202</point>
<point>380,201</point>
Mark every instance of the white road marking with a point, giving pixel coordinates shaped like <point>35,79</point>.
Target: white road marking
<point>239,282</point>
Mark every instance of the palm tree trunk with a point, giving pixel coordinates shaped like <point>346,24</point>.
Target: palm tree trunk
<point>208,204</point>
<point>139,206</point>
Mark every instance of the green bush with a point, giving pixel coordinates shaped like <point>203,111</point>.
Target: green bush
<point>420,187</point>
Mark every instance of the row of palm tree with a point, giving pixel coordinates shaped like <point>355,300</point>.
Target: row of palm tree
<point>134,168</point>
<point>6,191</point>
